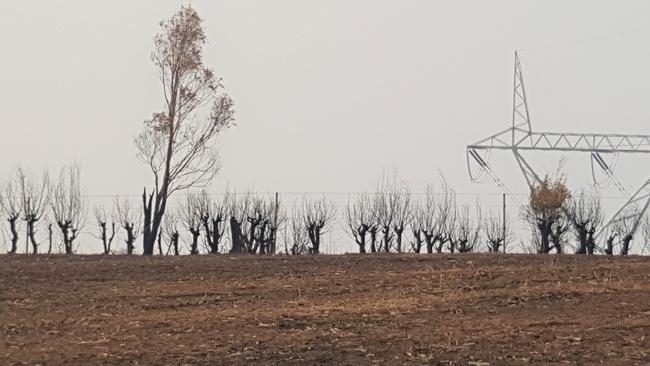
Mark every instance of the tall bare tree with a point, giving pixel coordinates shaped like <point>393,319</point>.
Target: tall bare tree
<point>69,206</point>
<point>35,197</point>
<point>317,217</point>
<point>586,215</point>
<point>10,205</point>
<point>358,218</point>
<point>129,219</point>
<point>177,144</point>
<point>103,219</point>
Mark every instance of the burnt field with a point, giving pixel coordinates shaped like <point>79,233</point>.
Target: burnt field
<point>350,309</point>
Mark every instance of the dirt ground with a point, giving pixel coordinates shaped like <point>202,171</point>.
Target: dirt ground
<point>351,309</point>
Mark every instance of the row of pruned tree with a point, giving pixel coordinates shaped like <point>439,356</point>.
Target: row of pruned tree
<point>388,220</point>
<point>559,221</point>
<point>233,223</point>
<point>27,199</point>
<point>556,216</point>
<point>382,221</point>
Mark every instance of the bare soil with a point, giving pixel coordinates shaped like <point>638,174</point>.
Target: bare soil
<point>354,310</point>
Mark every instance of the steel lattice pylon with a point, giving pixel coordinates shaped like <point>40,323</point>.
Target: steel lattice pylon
<point>520,137</point>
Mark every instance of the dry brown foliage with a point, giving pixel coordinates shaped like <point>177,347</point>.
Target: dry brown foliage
<point>549,196</point>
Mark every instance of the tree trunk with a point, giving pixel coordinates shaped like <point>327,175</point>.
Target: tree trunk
<point>625,248</point>
<point>360,238</point>
<point>175,242</point>
<point>557,244</point>
<point>215,236</point>
<point>212,233</point>
<point>130,239</point>
<point>441,244</point>
<point>148,232</point>
<point>582,239</point>
<point>194,249</point>
<point>31,235</point>
<point>104,237</point>
<point>417,246</point>
<point>398,239</point>
<point>273,241</point>
<point>610,245</point>
<point>544,233</point>
<point>160,251</point>
<point>261,239</point>
<point>495,245</point>
<point>463,246</point>
<point>387,239</point>
<point>314,238</point>
<point>155,228</point>
<point>250,241</point>
<point>14,235</point>
<point>591,243</point>
<point>154,214</point>
<point>49,247</point>
<point>373,240</point>
<point>428,238</point>
<point>65,231</point>
<point>236,236</point>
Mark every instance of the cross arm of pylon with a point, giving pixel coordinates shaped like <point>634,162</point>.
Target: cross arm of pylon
<point>562,141</point>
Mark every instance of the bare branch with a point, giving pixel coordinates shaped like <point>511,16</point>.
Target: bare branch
<point>358,218</point>
<point>11,208</point>
<point>35,198</point>
<point>129,219</point>
<point>296,238</point>
<point>69,206</point>
<point>103,219</point>
<point>317,217</point>
<point>467,232</point>
<point>586,215</point>
<point>497,233</point>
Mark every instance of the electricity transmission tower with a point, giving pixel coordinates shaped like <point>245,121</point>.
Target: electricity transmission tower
<point>521,137</point>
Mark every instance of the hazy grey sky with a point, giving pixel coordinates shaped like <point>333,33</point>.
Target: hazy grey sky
<point>327,92</point>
